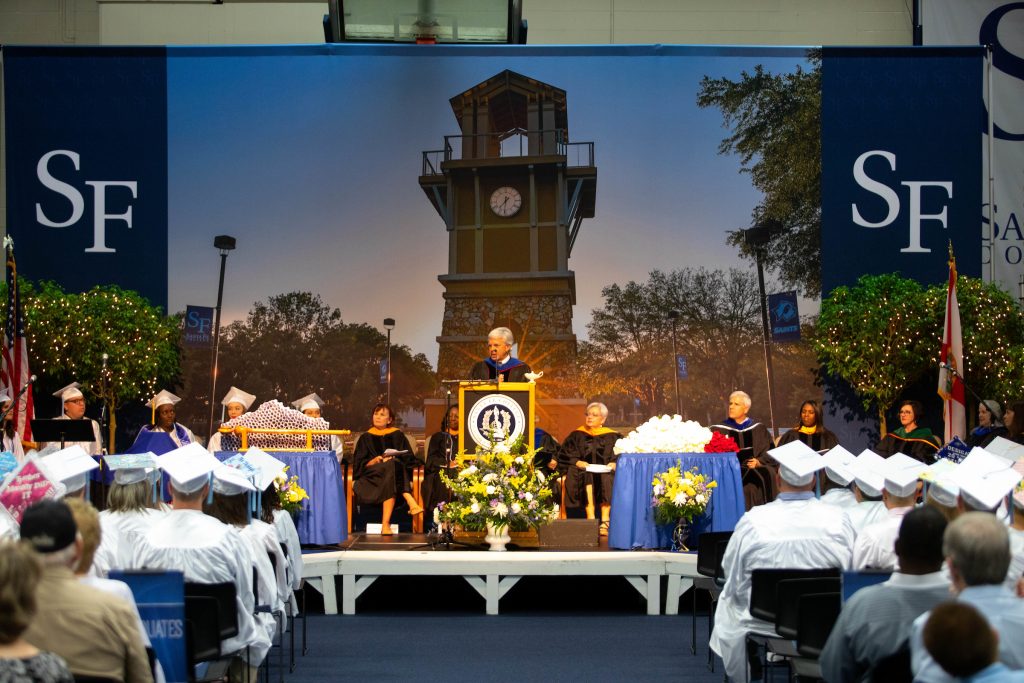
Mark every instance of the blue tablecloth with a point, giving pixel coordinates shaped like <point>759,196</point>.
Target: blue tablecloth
<point>632,518</point>
<point>324,519</point>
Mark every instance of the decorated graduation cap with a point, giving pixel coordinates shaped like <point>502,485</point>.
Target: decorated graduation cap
<point>70,467</point>
<point>310,402</point>
<point>837,465</point>
<point>264,467</point>
<point>797,462</point>
<point>236,395</point>
<point>162,398</point>
<point>901,474</point>
<point>868,470</point>
<point>69,393</point>
<point>132,468</point>
<point>941,480</point>
<point>231,481</point>
<point>189,467</point>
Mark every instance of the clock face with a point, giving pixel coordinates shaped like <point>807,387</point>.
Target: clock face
<point>506,201</point>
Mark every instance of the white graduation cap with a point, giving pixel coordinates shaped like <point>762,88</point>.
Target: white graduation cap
<point>902,473</point>
<point>868,471</point>
<point>236,395</point>
<point>310,402</point>
<point>267,467</point>
<point>189,467</point>
<point>131,468</point>
<point>837,465</point>
<point>70,467</point>
<point>981,462</point>
<point>71,391</point>
<point>797,462</point>
<point>1004,448</point>
<point>229,481</point>
<point>941,479</point>
<point>984,492</point>
<point>162,398</point>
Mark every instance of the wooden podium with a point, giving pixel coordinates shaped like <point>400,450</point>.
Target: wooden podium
<point>499,407</point>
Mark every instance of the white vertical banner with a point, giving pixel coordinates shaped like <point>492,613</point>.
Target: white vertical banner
<point>1000,25</point>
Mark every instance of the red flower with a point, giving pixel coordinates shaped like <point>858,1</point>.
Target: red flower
<point>721,444</point>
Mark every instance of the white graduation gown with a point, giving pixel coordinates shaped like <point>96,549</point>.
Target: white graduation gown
<point>206,551</point>
<point>1016,570</point>
<point>841,498</point>
<point>866,513</point>
<point>798,534</point>
<point>876,543</point>
<point>13,446</point>
<point>114,551</point>
<point>268,536</point>
<point>266,582</point>
<point>290,537</point>
<point>213,445</point>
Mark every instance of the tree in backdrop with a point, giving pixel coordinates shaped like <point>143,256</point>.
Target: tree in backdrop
<point>775,123</point>
<point>294,344</point>
<point>629,355</point>
<point>68,333</point>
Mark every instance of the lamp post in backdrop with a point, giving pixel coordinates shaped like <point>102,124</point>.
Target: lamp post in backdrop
<point>757,238</point>
<point>674,317</point>
<point>389,324</point>
<point>224,244</point>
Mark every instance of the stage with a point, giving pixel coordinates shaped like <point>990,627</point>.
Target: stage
<point>491,574</point>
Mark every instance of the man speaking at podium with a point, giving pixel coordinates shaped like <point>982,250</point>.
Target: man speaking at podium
<point>500,360</point>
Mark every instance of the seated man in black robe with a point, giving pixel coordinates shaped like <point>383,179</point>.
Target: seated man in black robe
<point>500,360</point>
<point>756,466</point>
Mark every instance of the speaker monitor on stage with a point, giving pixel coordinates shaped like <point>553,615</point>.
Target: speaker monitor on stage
<point>62,431</point>
<point>502,411</point>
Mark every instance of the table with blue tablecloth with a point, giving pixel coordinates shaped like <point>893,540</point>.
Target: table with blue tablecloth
<point>324,518</point>
<point>632,525</point>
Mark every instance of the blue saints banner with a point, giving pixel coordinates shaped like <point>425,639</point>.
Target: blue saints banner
<point>87,166</point>
<point>784,316</point>
<point>901,164</point>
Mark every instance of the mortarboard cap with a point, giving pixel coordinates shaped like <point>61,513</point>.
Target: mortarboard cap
<point>941,478</point>
<point>901,474</point>
<point>267,467</point>
<point>868,471</point>
<point>837,465</point>
<point>797,462</point>
<point>236,395</point>
<point>984,492</point>
<point>310,402</point>
<point>189,467</point>
<point>229,481</point>
<point>1004,448</point>
<point>69,466</point>
<point>131,468</point>
<point>69,392</point>
<point>163,398</point>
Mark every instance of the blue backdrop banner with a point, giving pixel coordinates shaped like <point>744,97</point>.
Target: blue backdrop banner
<point>901,164</point>
<point>784,316</point>
<point>87,166</point>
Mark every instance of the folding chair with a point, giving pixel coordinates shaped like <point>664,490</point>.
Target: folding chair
<point>202,631</point>
<point>894,668</point>
<point>709,561</point>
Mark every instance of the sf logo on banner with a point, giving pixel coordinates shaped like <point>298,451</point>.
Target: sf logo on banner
<point>71,193</point>
<point>892,200</point>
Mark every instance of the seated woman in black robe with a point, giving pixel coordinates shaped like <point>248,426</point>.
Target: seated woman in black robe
<point>990,424</point>
<point>545,460</point>
<point>757,468</point>
<point>590,444</point>
<point>1014,424</point>
<point>442,450</point>
<point>917,442</point>
<point>382,467</point>
<point>810,430</point>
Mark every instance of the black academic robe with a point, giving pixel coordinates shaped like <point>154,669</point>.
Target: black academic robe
<point>980,439</point>
<point>441,451</point>
<point>377,483</point>
<point>920,444</point>
<point>753,442</point>
<point>547,450</point>
<point>821,440</point>
<point>596,450</point>
<point>483,370</point>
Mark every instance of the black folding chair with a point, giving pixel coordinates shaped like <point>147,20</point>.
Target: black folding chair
<point>708,563</point>
<point>278,619</point>
<point>227,610</point>
<point>817,615</point>
<point>788,593</point>
<point>293,617</point>
<point>894,668</point>
<point>202,631</point>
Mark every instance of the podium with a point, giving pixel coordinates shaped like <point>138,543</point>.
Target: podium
<point>495,408</point>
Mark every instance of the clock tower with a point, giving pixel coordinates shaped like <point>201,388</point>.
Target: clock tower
<point>512,191</point>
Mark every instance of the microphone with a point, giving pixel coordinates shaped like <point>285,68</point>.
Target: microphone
<point>30,382</point>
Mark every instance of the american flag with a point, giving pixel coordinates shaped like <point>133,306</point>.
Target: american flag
<point>14,371</point>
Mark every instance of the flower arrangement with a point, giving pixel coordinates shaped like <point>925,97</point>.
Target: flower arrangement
<point>501,488</point>
<point>680,495</point>
<point>289,492</point>
<point>721,444</point>
<point>665,434</point>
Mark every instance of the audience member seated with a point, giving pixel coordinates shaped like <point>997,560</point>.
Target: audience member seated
<point>909,438</point>
<point>20,661</point>
<point>876,621</point>
<point>868,484</point>
<point>810,430</point>
<point>133,504</point>
<point>837,484</point>
<point>990,424</point>
<point>204,549</point>
<point>875,542</point>
<point>96,633</point>
<point>988,494</point>
<point>796,531</point>
<point>382,467</point>
<point>1014,424</point>
<point>960,640</point>
<point>977,552</point>
<point>591,444</point>
<point>753,440</point>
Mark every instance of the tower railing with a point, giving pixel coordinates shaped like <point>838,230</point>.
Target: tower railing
<point>517,142</point>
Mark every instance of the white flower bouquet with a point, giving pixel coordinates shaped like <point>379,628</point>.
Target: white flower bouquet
<point>665,434</point>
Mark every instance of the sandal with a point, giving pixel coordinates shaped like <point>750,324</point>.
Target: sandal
<point>386,531</point>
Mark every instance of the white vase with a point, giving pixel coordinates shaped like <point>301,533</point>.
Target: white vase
<point>498,537</point>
